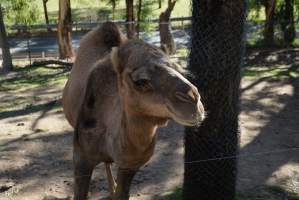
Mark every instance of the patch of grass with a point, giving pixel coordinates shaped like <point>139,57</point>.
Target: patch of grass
<point>20,89</point>
<point>182,52</point>
<point>259,193</point>
<point>267,193</point>
<point>97,10</point>
<point>278,71</point>
<point>176,194</point>
<point>32,77</point>
<point>296,42</point>
<point>256,41</point>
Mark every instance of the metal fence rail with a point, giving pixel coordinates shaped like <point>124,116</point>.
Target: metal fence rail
<point>88,25</point>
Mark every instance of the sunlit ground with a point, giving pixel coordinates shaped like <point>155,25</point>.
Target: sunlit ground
<point>36,150</point>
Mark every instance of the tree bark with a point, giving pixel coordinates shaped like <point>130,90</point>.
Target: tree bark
<point>289,22</point>
<point>130,18</point>
<point>113,8</point>
<point>46,14</point>
<point>139,16</point>
<point>269,23</point>
<point>166,38</point>
<point>215,59</point>
<point>64,30</point>
<point>7,61</point>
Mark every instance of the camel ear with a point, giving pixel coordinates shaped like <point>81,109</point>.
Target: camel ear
<point>115,60</point>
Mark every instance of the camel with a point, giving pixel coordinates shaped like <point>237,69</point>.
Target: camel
<point>118,93</point>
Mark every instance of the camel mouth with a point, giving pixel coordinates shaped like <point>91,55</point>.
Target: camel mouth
<point>195,121</point>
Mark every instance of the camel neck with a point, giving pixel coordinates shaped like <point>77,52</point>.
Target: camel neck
<point>139,130</point>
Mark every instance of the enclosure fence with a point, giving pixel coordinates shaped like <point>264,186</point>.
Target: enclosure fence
<point>35,43</point>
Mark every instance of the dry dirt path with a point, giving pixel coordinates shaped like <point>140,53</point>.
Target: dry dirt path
<point>36,141</point>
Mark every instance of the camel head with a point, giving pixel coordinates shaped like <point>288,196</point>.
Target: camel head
<point>150,85</point>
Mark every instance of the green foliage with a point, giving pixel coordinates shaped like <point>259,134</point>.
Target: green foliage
<point>21,12</point>
<point>146,13</point>
<point>255,9</point>
<point>176,194</point>
<point>257,16</point>
<point>112,2</point>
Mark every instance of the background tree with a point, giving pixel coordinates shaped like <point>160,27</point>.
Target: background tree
<point>6,56</point>
<point>215,58</point>
<point>64,29</point>
<point>21,12</point>
<point>130,18</point>
<point>113,4</point>
<point>269,23</point>
<point>160,4</point>
<point>139,10</point>
<point>46,14</point>
<point>288,22</point>
<point>166,38</point>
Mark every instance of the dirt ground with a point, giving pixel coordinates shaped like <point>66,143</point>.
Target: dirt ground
<point>36,141</point>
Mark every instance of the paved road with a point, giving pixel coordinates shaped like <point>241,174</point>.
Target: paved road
<point>48,45</point>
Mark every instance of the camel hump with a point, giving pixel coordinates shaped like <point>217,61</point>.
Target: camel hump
<point>112,35</point>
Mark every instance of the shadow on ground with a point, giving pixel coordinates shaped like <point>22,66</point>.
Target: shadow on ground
<point>38,164</point>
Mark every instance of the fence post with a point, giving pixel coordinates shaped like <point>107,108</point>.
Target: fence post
<point>28,45</point>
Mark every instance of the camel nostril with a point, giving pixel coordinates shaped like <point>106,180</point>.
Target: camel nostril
<point>193,94</point>
<point>189,97</point>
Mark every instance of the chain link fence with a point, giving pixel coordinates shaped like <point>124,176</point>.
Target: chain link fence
<point>218,37</point>
<point>217,45</point>
<point>30,43</point>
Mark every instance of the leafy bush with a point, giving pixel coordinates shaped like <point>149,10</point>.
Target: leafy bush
<point>21,12</point>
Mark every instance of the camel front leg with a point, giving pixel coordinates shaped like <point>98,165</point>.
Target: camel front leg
<point>123,181</point>
<point>82,175</point>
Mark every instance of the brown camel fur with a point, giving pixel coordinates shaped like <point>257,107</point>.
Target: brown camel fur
<point>118,93</point>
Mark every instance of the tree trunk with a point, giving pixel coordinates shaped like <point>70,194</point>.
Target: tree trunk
<point>64,30</point>
<point>130,18</point>
<point>269,23</point>
<point>139,16</point>
<point>289,22</point>
<point>113,8</point>
<point>166,38</point>
<point>160,3</point>
<point>46,14</point>
<point>215,59</point>
<point>6,56</point>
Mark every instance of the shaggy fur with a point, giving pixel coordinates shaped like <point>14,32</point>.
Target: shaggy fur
<point>116,98</point>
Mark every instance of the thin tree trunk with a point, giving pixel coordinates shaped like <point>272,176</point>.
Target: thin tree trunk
<point>289,29</point>
<point>130,18</point>
<point>269,23</point>
<point>64,30</point>
<point>7,61</point>
<point>46,14</point>
<point>160,4</point>
<point>166,38</point>
<point>113,9</point>
<point>215,59</point>
<point>139,16</point>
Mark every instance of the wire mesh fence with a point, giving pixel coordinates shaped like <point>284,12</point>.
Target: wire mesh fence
<point>218,38</point>
<point>216,41</point>
<point>30,43</point>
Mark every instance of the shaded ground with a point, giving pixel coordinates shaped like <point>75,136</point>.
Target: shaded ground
<point>35,139</point>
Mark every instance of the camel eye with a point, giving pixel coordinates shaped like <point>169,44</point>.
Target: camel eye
<point>143,85</point>
<point>141,82</point>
